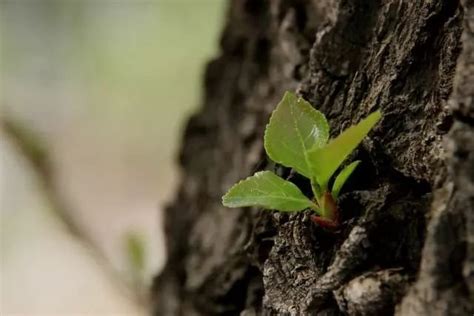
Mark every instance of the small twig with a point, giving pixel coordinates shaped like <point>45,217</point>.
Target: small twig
<point>31,147</point>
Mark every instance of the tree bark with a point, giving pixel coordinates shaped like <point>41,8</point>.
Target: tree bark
<point>406,246</point>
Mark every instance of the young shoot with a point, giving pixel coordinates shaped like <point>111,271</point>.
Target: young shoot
<point>297,137</point>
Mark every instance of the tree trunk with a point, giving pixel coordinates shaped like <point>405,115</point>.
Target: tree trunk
<point>406,246</point>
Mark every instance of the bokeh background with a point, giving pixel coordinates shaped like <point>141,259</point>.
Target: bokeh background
<point>105,87</point>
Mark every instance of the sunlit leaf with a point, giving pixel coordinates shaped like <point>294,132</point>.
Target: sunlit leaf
<point>267,190</point>
<point>326,160</point>
<point>342,178</point>
<point>295,127</point>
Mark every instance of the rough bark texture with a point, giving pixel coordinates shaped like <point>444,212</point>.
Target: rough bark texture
<point>407,243</point>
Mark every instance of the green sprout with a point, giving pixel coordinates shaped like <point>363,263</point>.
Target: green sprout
<point>297,137</point>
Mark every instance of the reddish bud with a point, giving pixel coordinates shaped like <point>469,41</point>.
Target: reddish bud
<point>330,214</point>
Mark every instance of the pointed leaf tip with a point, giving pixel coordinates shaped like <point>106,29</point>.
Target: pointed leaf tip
<point>342,178</point>
<point>326,160</point>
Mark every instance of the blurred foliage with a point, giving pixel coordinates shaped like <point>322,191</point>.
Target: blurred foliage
<point>136,254</point>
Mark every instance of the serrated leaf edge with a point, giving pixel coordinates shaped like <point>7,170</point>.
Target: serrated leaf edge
<point>306,110</point>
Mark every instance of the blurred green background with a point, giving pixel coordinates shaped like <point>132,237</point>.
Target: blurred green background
<point>107,86</point>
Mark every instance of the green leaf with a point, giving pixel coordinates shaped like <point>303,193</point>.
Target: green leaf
<point>294,128</point>
<point>342,178</point>
<point>267,190</point>
<point>326,160</point>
